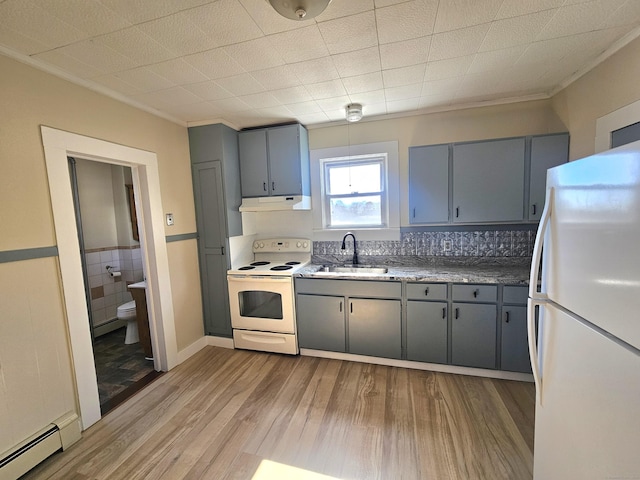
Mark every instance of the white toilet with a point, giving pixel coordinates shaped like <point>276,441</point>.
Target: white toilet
<point>127,311</point>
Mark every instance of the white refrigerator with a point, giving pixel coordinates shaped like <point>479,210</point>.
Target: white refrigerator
<point>585,352</point>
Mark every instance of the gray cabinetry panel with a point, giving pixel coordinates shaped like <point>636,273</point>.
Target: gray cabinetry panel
<point>426,291</point>
<point>514,349</point>
<point>375,327</point>
<point>254,174</point>
<point>207,181</point>
<point>515,294</point>
<point>488,181</point>
<point>475,293</point>
<point>356,288</point>
<point>427,331</point>
<point>321,322</point>
<point>546,152</point>
<point>429,184</point>
<point>473,335</point>
<point>284,160</point>
<point>274,161</point>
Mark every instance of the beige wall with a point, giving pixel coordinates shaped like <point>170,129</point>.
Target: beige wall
<point>613,84</point>
<point>30,98</point>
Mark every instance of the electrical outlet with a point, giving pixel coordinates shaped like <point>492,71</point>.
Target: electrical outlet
<point>169,219</point>
<point>446,245</point>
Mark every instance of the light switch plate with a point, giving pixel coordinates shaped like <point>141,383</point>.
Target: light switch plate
<point>169,219</point>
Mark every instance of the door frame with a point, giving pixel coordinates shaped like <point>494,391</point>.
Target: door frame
<point>58,145</point>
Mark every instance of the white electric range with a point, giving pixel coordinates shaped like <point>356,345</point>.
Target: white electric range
<point>261,296</point>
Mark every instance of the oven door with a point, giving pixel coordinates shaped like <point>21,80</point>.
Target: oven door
<point>263,303</point>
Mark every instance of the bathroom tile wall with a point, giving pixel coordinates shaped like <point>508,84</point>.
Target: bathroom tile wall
<point>430,246</point>
<point>107,293</point>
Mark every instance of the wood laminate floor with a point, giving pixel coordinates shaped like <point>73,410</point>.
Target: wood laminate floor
<point>222,412</point>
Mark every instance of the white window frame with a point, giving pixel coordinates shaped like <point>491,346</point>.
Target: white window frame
<point>391,231</point>
<point>327,163</point>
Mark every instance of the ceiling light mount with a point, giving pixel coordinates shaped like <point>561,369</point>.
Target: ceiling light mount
<point>299,9</point>
<point>354,112</point>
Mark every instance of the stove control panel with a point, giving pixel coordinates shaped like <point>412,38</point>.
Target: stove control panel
<point>284,245</point>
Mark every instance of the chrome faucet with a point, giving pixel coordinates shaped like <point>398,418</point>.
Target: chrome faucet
<point>355,248</point>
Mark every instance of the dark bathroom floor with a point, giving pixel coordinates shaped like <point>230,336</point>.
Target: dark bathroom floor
<point>121,369</point>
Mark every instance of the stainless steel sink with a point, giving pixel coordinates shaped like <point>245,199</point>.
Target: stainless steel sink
<point>352,269</point>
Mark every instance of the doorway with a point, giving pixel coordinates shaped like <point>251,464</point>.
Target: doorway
<point>58,145</point>
<point>110,252</point>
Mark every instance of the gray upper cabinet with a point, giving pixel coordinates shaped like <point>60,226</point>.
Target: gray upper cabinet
<point>546,152</point>
<point>494,181</point>
<point>429,184</point>
<point>488,181</point>
<point>274,161</point>
<point>253,163</point>
<point>216,188</point>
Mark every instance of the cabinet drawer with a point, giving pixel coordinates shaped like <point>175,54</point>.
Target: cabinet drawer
<point>515,295</point>
<point>349,288</point>
<point>427,291</point>
<point>475,293</point>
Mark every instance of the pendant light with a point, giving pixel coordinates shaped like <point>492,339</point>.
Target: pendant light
<point>299,9</point>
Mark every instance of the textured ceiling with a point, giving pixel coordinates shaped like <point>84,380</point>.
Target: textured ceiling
<point>238,61</point>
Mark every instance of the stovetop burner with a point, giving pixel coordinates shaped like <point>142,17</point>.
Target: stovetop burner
<point>292,263</point>
<point>248,267</point>
<point>280,268</point>
<point>259,264</point>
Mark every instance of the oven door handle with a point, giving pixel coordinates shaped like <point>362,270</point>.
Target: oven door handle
<point>262,278</point>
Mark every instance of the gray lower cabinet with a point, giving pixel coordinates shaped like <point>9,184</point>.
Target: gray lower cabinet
<point>353,316</point>
<point>375,327</point>
<point>321,322</point>
<point>473,335</point>
<point>514,349</point>
<point>427,331</point>
<point>514,346</point>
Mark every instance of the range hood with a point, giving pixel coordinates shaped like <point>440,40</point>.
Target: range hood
<point>272,204</point>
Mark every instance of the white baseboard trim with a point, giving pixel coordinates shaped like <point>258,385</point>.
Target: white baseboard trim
<point>434,367</point>
<point>202,342</point>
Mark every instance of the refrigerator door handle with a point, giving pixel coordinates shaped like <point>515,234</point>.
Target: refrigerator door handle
<point>536,261</point>
<point>533,346</point>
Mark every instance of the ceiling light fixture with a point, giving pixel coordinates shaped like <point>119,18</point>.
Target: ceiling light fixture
<point>299,9</point>
<point>354,112</point>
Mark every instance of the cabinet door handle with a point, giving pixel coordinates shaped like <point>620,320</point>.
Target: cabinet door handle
<point>351,307</point>
<point>457,312</point>
<point>264,186</point>
<point>426,291</point>
<point>341,306</point>
<point>506,319</point>
<point>273,186</point>
<point>475,293</point>
<point>533,209</point>
<point>457,212</point>
<point>414,213</point>
<point>444,312</point>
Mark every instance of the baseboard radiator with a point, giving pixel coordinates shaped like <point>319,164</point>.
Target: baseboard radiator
<point>56,436</point>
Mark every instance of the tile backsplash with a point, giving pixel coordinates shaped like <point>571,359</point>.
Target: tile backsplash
<point>488,244</point>
<point>108,293</point>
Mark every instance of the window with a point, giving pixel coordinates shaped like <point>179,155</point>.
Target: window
<point>355,191</point>
<point>330,166</point>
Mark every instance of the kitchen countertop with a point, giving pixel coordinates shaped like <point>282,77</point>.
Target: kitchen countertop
<point>487,273</point>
